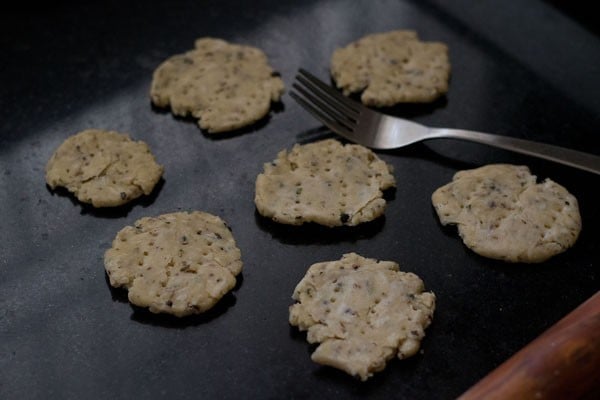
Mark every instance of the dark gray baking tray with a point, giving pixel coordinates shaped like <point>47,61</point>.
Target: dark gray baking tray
<point>524,70</point>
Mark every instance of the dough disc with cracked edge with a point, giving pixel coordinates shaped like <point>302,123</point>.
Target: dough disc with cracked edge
<point>324,182</point>
<point>180,263</point>
<point>502,213</point>
<point>103,168</point>
<point>392,67</point>
<point>226,86</point>
<point>363,312</point>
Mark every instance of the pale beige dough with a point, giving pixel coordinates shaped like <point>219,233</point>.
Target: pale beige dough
<point>324,182</point>
<point>103,168</point>
<point>392,67</point>
<point>180,263</point>
<point>362,312</point>
<point>226,86</point>
<point>502,213</point>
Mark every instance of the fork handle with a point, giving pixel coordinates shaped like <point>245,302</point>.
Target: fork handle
<point>585,161</point>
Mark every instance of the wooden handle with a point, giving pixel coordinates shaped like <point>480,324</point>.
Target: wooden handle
<point>562,363</point>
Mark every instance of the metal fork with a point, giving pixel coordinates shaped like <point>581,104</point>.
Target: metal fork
<point>376,130</point>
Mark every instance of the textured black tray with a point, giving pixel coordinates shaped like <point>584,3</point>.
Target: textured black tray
<point>524,70</point>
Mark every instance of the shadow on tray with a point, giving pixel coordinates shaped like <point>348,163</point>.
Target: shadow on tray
<point>310,233</point>
<point>109,212</point>
<point>144,316</point>
<point>276,108</point>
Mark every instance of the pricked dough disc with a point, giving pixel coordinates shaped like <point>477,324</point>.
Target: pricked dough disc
<point>392,67</point>
<point>324,182</point>
<point>363,312</point>
<point>103,168</point>
<point>502,213</point>
<point>226,86</point>
<point>180,263</point>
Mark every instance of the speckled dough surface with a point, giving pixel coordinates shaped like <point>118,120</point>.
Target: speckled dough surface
<point>392,67</point>
<point>226,86</point>
<point>103,168</point>
<point>502,213</point>
<point>363,312</point>
<point>180,263</point>
<point>324,182</point>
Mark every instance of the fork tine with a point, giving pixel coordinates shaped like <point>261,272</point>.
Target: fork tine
<point>331,110</point>
<point>319,115</point>
<point>316,84</point>
<point>324,100</point>
<point>326,108</point>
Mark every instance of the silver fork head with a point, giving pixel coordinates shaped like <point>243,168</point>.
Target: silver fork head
<point>351,119</point>
<point>339,113</point>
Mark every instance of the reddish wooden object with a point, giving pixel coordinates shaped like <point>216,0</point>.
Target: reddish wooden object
<point>562,363</point>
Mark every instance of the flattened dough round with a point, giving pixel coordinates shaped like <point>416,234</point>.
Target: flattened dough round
<point>103,168</point>
<point>362,311</point>
<point>324,182</point>
<point>180,263</point>
<point>392,67</point>
<point>502,213</point>
<point>226,86</point>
